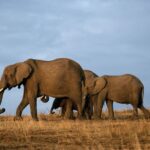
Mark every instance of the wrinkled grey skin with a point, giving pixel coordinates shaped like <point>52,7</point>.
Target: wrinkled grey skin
<point>57,78</point>
<point>124,89</point>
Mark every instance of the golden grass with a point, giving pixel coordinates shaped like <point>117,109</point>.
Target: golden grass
<point>52,132</point>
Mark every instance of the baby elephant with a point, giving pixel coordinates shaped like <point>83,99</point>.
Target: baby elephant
<point>125,89</point>
<point>63,102</point>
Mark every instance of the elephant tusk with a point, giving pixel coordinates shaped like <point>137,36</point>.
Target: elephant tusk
<point>1,89</point>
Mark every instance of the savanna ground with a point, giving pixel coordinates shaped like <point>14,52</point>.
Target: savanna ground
<point>52,132</point>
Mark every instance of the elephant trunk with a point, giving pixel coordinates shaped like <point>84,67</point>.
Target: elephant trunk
<point>84,96</point>
<point>1,96</point>
<point>2,110</point>
<point>51,112</point>
<point>2,89</point>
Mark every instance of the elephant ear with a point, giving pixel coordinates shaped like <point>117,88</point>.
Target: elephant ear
<point>3,82</point>
<point>98,85</point>
<point>23,70</point>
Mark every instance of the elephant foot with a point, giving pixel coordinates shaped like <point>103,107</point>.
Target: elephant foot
<point>35,119</point>
<point>81,118</point>
<point>112,118</point>
<point>96,118</point>
<point>18,118</point>
<point>88,118</point>
<point>68,117</point>
<point>147,116</point>
<point>135,117</point>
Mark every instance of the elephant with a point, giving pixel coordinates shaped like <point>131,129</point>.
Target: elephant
<point>61,77</point>
<point>125,89</point>
<point>62,103</point>
<point>91,99</point>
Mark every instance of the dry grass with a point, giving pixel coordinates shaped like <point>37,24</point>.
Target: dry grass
<point>52,132</point>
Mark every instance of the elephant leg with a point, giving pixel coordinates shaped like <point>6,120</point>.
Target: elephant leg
<point>100,107</point>
<point>94,102</point>
<point>88,108</point>
<point>145,111</point>
<point>100,103</point>
<point>20,108</point>
<point>63,110</point>
<point>32,98</point>
<point>78,103</point>
<point>88,112</point>
<point>69,104</point>
<point>109,104</point>
<point>80,113</point>
<point>71,115</point>
<point>135,111</point>
<point>33,108</point>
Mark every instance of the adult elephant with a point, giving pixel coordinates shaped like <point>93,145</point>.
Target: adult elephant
<point>125,89</point>
<point>91,100</point>
<point>57,78</point>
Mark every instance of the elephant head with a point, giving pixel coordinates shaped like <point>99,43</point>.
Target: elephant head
<point>97,85</point>
<point>14,75</point>
<point>58,102</point>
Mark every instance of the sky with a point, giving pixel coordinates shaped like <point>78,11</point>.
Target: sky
<point>105,36</point>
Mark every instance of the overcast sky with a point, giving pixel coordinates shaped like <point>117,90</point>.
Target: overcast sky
<point>105,36</point>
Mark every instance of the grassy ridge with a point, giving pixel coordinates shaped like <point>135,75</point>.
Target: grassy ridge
<point>52,132</point>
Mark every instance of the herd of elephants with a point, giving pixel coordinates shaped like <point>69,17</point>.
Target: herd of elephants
<point>72,87</point>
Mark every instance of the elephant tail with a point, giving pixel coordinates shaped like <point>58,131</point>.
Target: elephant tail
<point>141,97</point>
<point>142,94</point>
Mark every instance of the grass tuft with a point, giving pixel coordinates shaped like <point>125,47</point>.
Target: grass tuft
<point>52,132</point>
